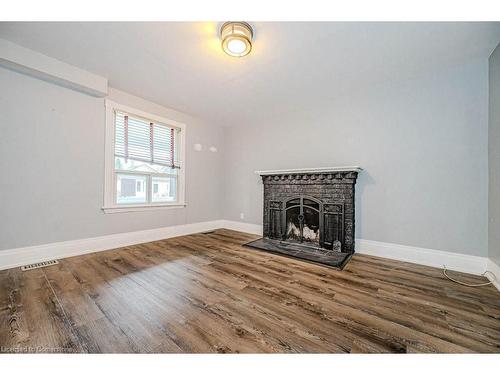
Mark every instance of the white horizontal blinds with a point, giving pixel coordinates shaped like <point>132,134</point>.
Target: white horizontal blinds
<point>164,145</point>
<point>142,140</point>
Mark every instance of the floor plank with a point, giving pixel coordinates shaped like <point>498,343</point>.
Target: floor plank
<point>206,293</point>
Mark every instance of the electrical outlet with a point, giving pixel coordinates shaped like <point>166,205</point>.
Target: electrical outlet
<point>242,216</point>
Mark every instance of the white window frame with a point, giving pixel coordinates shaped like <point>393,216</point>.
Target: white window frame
<point>110,205</point>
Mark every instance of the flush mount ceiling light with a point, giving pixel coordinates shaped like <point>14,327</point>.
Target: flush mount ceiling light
<point>236,38</point>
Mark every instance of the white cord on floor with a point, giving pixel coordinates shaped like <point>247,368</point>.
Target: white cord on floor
<point>472,285</point>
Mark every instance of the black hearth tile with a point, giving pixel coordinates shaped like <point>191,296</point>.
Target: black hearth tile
<point>324,257</point>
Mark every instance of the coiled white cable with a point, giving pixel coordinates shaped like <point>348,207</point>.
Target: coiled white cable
<point>471,285</point>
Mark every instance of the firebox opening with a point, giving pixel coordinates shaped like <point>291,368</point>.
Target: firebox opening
<point>302,224</point>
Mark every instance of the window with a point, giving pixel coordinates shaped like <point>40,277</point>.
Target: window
<point>144,166</point>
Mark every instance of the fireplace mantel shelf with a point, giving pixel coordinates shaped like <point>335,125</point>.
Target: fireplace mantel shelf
<point>310,170</point>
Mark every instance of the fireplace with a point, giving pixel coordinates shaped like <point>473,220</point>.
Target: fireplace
<point>309,214</point>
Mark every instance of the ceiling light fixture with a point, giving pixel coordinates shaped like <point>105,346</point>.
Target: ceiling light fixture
<point>236,38</point>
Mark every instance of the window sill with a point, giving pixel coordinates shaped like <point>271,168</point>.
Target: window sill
<point>136,208</point>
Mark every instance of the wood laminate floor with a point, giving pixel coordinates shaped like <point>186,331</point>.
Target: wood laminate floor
<point>206,293</point>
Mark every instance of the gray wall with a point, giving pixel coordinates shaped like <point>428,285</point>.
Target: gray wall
<point>422,143</point>
<point>52,166</point>
<point>494,158</point>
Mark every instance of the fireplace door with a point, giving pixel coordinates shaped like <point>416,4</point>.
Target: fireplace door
<point>307,220</point>
<point>302,220</point>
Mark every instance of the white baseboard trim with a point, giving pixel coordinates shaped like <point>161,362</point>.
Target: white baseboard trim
<point>428,257</point>
<point>32,254</point>
<point>243,227</point>
<point>495,270</point>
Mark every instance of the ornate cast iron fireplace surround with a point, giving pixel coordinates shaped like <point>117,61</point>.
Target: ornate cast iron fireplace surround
<point>309,214</point>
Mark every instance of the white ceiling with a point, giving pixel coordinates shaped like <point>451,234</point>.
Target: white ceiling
<point>292,65</point>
